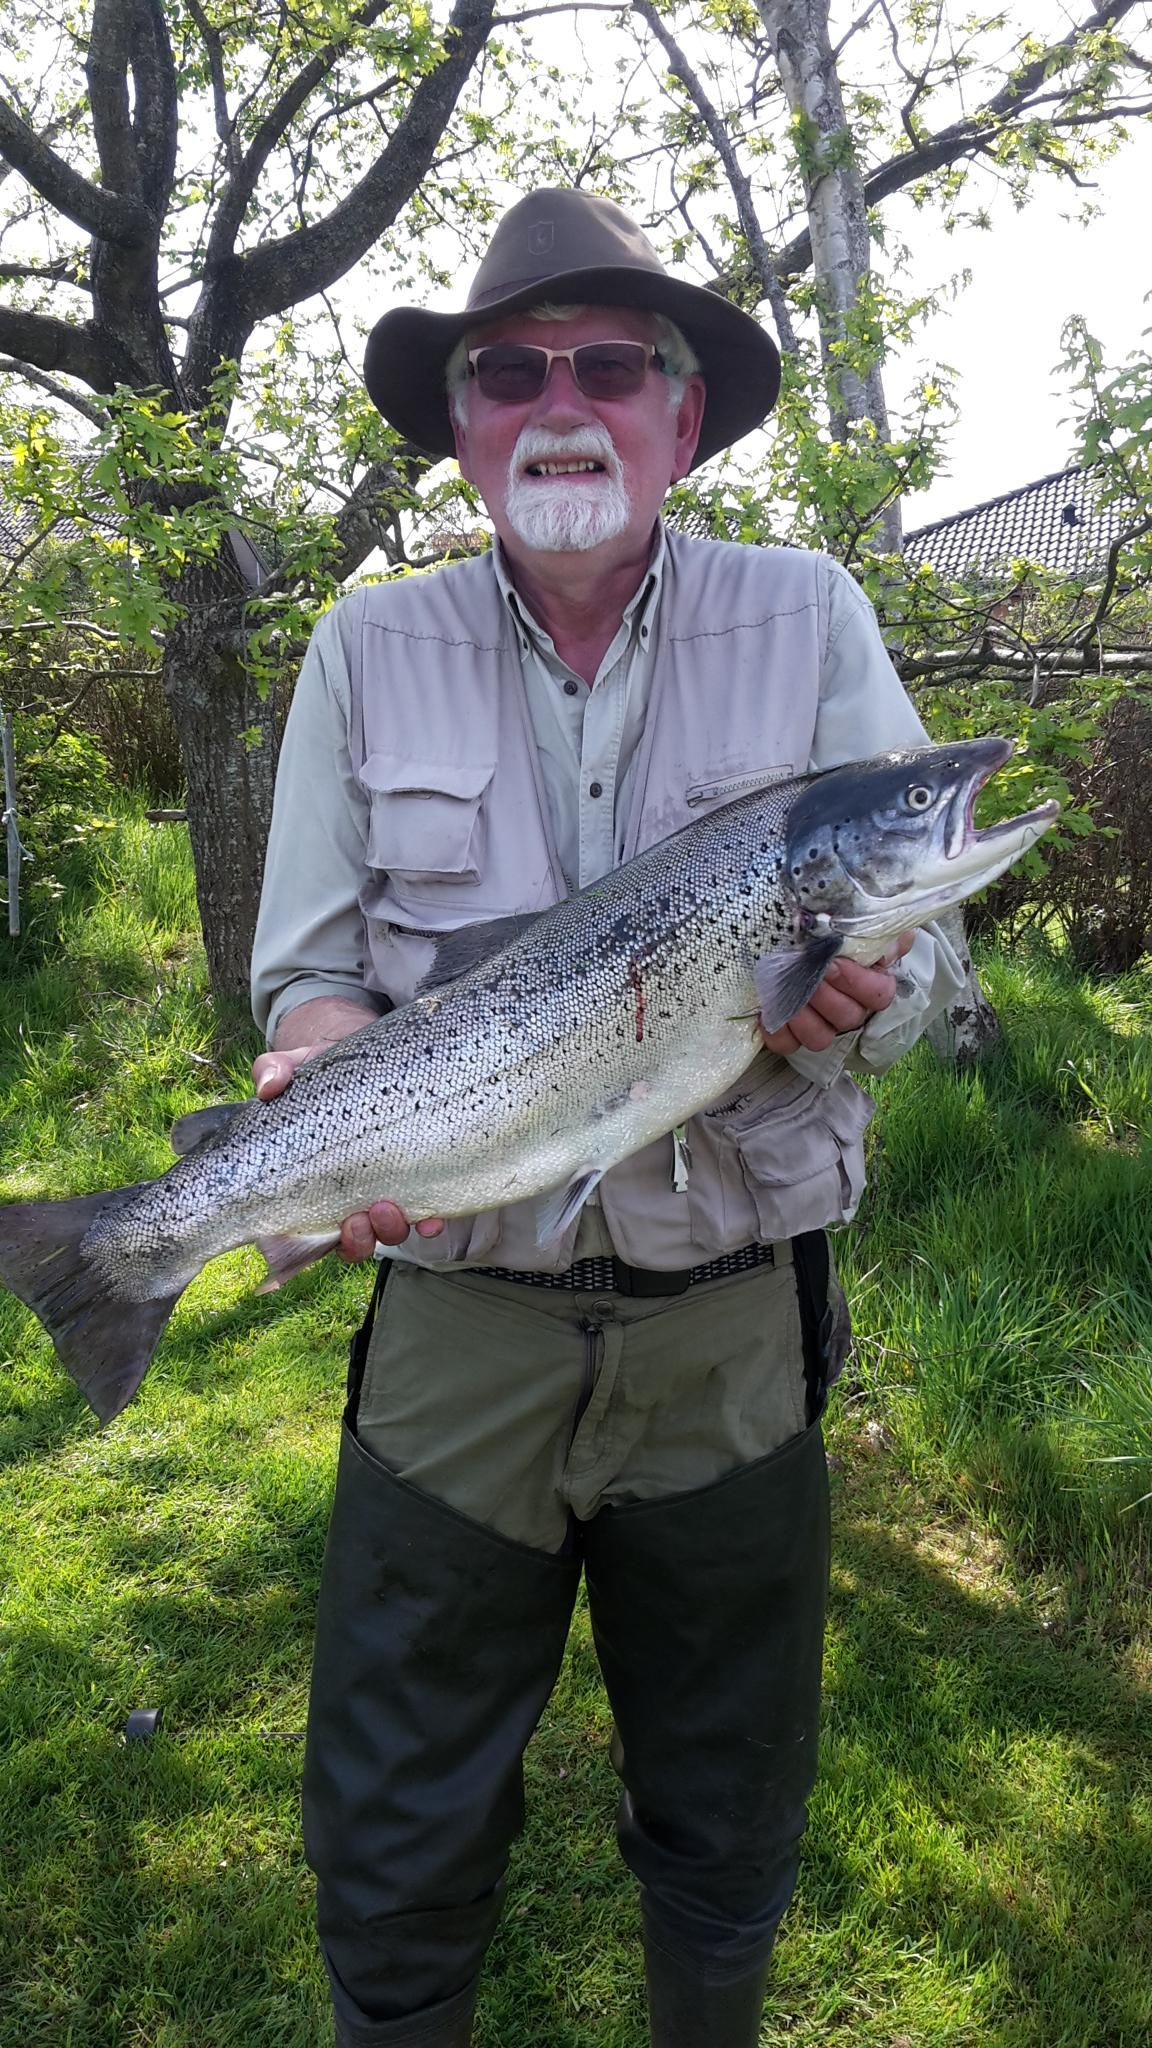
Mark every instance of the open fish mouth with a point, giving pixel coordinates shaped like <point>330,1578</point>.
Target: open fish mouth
<point>973,847</point>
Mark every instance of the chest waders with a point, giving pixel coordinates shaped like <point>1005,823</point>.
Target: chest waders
<point>438,1642</point>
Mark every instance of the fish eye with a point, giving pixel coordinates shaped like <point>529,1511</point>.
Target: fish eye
<point>918,797</point>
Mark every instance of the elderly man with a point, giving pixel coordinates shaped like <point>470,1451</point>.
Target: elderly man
<point>640,1400</point>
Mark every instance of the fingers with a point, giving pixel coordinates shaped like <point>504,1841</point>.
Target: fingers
<point>383,1223</point>
<point>272,1072</point>
<point>358,1239</point>
<point>807,1030</point>
<point>848,995</point>
<point>865,989</point>
<point>781,1040</point>
<point>841,1007</point>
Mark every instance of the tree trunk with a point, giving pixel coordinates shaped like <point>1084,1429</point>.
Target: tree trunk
<point>229,737</point>
<point>969,1027</point>
<point>837,213</point>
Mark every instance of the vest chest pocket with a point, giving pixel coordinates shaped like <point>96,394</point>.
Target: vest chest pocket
<point>724,789</point>
<point>425,821</point>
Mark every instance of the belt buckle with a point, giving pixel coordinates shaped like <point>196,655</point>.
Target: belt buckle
<point>636,1280</point>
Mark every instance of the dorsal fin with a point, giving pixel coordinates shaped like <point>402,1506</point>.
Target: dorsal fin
<point>458,951</point>
<point>191,1130</point>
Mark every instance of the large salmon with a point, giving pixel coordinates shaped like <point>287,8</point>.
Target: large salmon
<point>538,1054</point>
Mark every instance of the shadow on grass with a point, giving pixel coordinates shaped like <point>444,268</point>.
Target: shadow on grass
<point>41,1424</point>
<point>201,1354</point>
<point>1003,1776</point>
<point>998,1773</point>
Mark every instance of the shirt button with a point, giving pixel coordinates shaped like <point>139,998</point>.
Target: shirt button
<point>570,688</point>
<point>595,789</point>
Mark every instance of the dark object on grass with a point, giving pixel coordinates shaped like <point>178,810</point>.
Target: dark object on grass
<point>141,1724</point>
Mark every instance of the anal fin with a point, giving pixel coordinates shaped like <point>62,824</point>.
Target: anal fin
<point>557,1211</point>
<point>287,1256</point>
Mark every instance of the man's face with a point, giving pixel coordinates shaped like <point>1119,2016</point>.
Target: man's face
<point>637,446</point>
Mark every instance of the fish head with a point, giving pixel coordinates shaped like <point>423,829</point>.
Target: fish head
<point>877,847</point>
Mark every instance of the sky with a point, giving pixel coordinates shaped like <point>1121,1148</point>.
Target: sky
<point>1029,273</point>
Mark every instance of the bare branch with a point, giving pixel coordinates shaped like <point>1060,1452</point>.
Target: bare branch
<point>55,273</point>
<point>95,413</point>
<point>561,7</point>
<point>237,193</point>
<point>214,46</point>
<point>750,228</point>
<point>974,133</point>
<point>106,70</point>
<point>107,214</point>
<point>854,28</point>
<point>1123,540</point>
<point>85,351</point>
<point>949,663</point>
<point>61,626</point>
<point>280,273</point>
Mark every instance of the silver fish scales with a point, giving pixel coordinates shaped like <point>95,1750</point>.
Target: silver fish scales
<point>537,1056</point>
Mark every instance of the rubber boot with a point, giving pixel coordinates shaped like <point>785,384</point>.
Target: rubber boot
<point>686,2010</point>
<point>708,1616</point>
<point>438,1642</point>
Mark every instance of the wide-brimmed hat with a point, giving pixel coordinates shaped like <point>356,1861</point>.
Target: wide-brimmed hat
<point>573,249</point>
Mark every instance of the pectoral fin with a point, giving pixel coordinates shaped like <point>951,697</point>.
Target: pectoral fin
<point>785,981</point>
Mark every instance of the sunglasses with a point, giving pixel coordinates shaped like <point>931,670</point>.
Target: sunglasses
<point>513,372</point>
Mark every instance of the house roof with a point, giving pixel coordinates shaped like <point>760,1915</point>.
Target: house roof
<point>1057,522</point>
<point>19,526</point>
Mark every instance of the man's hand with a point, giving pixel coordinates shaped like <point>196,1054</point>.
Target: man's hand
<point>383,1222</point>
<point>848,995</point>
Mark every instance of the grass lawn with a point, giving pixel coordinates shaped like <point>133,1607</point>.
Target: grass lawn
<point>978,1870</point>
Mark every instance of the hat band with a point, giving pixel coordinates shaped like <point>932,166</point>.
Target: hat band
<point>521,284</point>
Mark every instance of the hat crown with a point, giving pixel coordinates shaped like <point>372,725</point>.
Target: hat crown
<point>554,231</point>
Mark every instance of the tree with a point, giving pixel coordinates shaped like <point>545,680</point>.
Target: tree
<point>121,181</point>
<point>191,191</point>
<point>845,149</point>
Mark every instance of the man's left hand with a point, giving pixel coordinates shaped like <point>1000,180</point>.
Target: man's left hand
<point>848,995</point>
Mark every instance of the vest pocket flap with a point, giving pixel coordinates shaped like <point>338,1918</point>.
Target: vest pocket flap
<point>783,1150</point>
<point>805,1169</point>
<point>423,815</point>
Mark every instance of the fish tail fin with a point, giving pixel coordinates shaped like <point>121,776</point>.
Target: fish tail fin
<point>104,1341</point>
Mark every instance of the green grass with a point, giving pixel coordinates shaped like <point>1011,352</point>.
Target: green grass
<point>978,1871</point>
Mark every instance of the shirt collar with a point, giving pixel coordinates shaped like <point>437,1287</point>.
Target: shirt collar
<point>639,610</point>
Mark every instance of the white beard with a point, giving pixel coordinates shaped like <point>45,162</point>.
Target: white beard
<point>558,515</point>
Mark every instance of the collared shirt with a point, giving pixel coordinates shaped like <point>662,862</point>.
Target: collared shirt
<point>310,934</point>
<point>587,734</point>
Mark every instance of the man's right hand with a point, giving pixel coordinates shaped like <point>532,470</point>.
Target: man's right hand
<point>383,1222</point>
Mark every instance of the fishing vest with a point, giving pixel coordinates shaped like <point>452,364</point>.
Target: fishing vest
<point>442,744</point>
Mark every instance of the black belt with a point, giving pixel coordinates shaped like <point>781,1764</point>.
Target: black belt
<point>612,1276</point>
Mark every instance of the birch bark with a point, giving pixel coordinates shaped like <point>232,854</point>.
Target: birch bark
<point>837,213</point>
